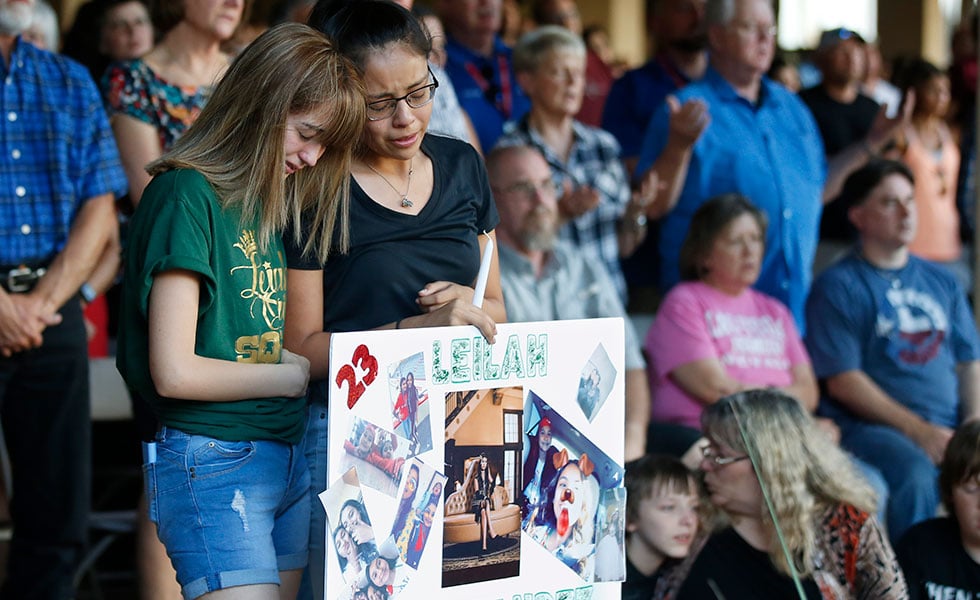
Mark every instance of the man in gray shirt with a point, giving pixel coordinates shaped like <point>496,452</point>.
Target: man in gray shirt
<point>545,279</point>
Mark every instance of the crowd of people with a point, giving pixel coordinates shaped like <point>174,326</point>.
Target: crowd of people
<point>807,396</point>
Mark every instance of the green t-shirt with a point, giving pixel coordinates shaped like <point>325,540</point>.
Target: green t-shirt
<point>181,225</point>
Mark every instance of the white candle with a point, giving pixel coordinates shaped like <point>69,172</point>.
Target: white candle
<point>481,278</point>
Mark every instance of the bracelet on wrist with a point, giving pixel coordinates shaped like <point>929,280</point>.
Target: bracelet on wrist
<point>87,293</point>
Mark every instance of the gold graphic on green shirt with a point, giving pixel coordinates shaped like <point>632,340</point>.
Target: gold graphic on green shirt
<point>264,348</point>
<point>268,285</point>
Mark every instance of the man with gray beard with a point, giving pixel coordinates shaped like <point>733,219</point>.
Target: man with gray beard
<point>545,279</point>
<point>59,173</point>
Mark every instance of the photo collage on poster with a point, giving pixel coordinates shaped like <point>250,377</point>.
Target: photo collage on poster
<point>379,566</point>
<point>517,481</point>
<point>369,566</point>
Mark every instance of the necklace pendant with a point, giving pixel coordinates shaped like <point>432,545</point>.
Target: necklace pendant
<point>406,203</point>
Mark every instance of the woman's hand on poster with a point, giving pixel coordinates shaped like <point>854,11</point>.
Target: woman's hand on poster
<point>437,294</point>
<point>298,373</point>
<point>448,304</point>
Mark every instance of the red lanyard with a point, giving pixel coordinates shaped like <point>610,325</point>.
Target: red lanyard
<point>672,72</point>
<point>505,104</point>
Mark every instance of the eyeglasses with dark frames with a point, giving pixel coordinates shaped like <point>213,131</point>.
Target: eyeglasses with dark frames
<point>379,110</point>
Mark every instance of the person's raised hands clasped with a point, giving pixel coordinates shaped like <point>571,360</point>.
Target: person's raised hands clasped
<point>885,129</point>
<point>575,201</point>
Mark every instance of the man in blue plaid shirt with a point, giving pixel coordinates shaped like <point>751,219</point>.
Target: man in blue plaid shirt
<point>59,171</point>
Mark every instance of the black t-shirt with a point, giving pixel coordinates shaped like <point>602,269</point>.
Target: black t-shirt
<point>935,563</point>
<point>393,255</point>
<point>641,587</point>
<point>840,126</point>
<point>738,571</point>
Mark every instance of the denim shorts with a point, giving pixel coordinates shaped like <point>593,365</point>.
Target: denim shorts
<point>229,513</point>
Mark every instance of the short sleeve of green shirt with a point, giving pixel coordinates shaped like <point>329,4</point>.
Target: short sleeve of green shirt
<point>177,233</point>
<point>181,225</point>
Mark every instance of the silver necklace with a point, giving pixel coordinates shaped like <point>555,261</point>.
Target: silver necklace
<point>405,202</point>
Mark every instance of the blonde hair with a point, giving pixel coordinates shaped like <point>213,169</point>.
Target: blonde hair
<point>804,472</point>
<point>237,141</point>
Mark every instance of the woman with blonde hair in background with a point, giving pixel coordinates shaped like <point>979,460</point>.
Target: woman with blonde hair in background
<point>795,519</point>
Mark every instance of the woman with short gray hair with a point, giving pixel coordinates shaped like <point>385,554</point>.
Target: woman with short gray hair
<point>600,213</point>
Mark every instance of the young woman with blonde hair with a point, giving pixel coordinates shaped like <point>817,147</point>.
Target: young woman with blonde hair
<point>203,306</point>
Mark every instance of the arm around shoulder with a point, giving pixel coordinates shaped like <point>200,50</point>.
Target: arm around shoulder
<point>685,124</point>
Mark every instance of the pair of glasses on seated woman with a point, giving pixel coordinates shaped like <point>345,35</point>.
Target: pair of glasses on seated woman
<point>712,455</point>
<point>379,110</point>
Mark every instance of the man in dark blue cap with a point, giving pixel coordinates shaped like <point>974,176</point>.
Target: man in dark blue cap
<point>845,118</point>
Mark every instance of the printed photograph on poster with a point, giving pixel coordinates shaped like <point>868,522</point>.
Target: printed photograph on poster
<point>502,424</point>
<point>482,526</point>
<point>377,454</point>
<point>610,549</point>
<point>562,506</point>
<point>371,569</point>
<point>418,511</point>
<point>349,526</point>
<point>410,402</point>
<point>595,382</point>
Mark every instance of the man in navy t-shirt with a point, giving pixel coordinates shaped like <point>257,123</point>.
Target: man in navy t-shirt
<point>894,344</point>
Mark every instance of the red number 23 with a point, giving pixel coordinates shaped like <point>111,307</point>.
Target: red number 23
<point>362,357</point>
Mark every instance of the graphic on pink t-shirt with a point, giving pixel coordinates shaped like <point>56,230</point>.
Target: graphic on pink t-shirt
<point>753,336</point>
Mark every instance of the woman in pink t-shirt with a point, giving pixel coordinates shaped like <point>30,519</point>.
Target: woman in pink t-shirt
<point>714,335</point>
